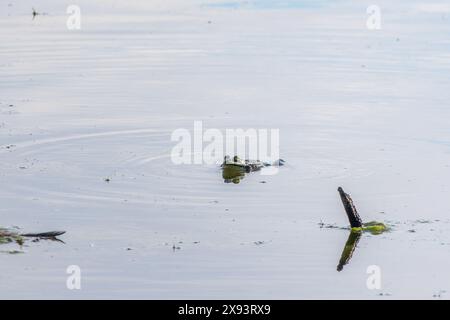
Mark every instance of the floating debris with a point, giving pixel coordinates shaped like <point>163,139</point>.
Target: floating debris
<point>439,294</point>
<point>385,294</point>
<point>11,236</point>
<point>357,227</point>
<point>45,235</point>
<point>34,13</point>
<point>423,221</point>
<point>356,223</point>
<point>13,252</point>
<point>323,225</point>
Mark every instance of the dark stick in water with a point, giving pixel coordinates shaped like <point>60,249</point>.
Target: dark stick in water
<point>51,234</point>
<point>350,209</point>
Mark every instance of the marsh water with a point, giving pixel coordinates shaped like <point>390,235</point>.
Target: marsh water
<point>86,118</point>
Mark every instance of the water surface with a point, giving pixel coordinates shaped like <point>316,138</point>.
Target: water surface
<point>365,110</point>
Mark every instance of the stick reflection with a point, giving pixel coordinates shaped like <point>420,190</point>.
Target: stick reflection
<point>349,248</point>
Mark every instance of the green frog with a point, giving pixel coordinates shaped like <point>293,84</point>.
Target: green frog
<point>234,169</point>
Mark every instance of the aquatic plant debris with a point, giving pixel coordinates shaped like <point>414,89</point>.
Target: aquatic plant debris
<point>35,13</point>
<point>373,227</point>
<point>8,236</point>
<point>11,236</point>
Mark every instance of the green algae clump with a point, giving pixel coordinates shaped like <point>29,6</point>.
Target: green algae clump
<point>6,236</point>
<point>373,227</point>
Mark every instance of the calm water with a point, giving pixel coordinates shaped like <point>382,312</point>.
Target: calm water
<point>358,108</point>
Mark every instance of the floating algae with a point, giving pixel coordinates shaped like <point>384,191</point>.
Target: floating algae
<point>373,227</point>
<point>8,236</point>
